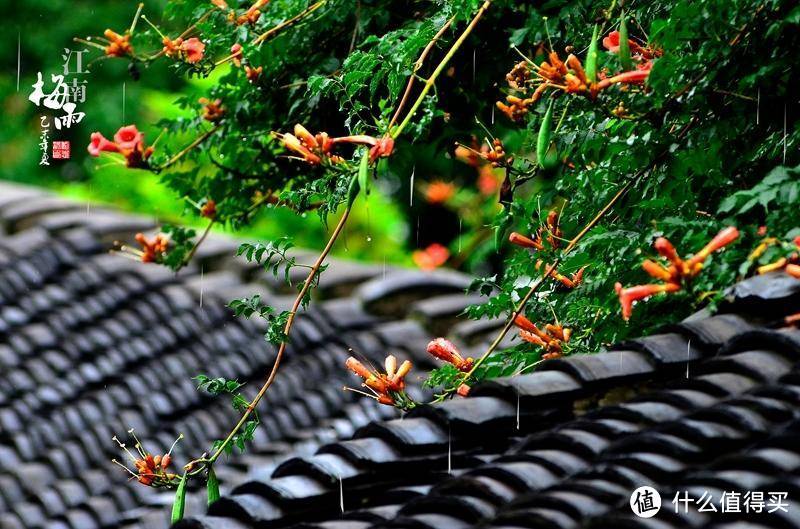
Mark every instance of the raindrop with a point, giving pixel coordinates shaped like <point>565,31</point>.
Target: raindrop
<point>688,352</point>
<point>459,235</point>
<point>493,107</point>
<point>341,495</point>
<point>19,57</point>
<point>201,286</point>
<point>758,107</point>
<point>517,411</point>
<point>449,453</point>
<point>369,223</point>
<point>411,187</point>
<point>474,61</point>
<point>417,230</point>
<point>784,132</point>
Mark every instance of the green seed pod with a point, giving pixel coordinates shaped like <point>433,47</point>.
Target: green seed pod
<point>180,501</point>
<point>363,171</point>
<point>544,139</point>
<point>551,158</point>
<point>624,46</point>
<point>591,57</point>
<point>212,486</point>
<point>353,190</point>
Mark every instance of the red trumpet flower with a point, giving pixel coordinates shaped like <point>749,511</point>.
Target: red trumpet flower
<point>439,192</point>
<point>213,111</point>
<point>253,74</point>
<point>99,144</point>
<point>128,141</point>
<point>193,50</point>
<point>446,350</point>
<point>315,149</point>
<point>628,296</point>
<point>549,232</point>
<point>236,55</point>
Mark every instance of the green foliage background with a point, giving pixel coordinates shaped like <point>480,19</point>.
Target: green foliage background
<point>709,142</point>
<point>43,29</point>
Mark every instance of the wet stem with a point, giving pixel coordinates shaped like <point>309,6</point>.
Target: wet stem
<point>309,281</point>
<point>314,271</point>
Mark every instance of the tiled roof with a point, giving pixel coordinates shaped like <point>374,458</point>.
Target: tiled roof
<point>92,344</point>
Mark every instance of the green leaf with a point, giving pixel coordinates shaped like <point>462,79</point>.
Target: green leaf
<point>179,504</point>
<point>212,486</point>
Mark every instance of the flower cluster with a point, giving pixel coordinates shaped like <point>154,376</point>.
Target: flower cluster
<point>789,264</point>
<point>676,274</point>
<point>571,77</point>
<point>484,159</point>
<point>387,388</point>
<point>117,45</point>
<point>191,50</point>
<point>253,73</point>
<point>128,141</point>
<point>439,192</point>
<point>250,16</point>
<point>316,149</point>
<point>551,339</point>
<point>213,111</point>
<point>432,257</point>
<point>149,470</point>
<point>152,250</point>
<point>549,234</point>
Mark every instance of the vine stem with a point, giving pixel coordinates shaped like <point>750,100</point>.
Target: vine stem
<point>342,221</point>
<point>440,68</point>
<point>276,29</point>
<point>180,154</point>
<point>287,328</point>
<point>188,258</point>
<point>285,24</point>
<point>417,66</point>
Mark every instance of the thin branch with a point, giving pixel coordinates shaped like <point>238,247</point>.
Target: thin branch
<point>290,22</point>
<point>276,29</point>
<point>309,281</point>
<point>180,154</point>
<point>442,65</point>
<point>188,258</point>
<point>417,66</point>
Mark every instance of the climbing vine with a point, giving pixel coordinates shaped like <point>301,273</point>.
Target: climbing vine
<point>613,163</point>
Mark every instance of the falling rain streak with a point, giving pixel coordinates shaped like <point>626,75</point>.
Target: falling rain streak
<point>411,187</point>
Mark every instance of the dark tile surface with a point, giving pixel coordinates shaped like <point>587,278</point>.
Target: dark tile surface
<point>92,345</point>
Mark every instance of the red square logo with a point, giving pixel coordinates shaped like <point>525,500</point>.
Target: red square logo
<point>61,150</point>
